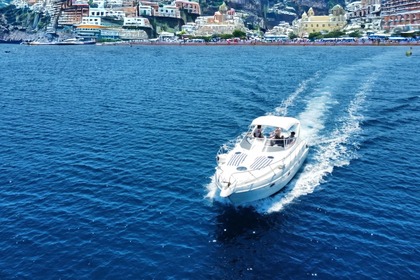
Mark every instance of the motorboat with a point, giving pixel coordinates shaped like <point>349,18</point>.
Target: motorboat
<point>75,41</point>
<point>262,161</point>
<point>67,42</point>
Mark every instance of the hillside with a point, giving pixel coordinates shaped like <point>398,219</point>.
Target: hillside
<point>18,24</point>
<point>268,13</point>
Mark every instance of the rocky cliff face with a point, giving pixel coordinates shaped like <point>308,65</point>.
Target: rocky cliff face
<point>21,24</point>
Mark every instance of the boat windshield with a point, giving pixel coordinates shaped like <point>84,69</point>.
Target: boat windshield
<point>269,138</point>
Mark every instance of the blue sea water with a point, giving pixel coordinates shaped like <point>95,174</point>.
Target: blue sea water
<point>107,158</point>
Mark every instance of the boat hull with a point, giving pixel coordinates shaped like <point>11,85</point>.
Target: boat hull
<point>266,189</point>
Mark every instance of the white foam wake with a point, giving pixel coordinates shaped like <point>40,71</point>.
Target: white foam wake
<point>212,192</point>
<point>335,151</point>
<point>282,109</point>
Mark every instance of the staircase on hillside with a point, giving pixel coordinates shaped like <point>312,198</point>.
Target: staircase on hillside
<point>56,7</point>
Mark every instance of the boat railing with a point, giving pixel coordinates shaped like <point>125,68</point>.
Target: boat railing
<point>225,148</point>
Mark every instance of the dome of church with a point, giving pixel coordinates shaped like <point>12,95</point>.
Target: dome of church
<point>337,10</point>
<point>223,8</point>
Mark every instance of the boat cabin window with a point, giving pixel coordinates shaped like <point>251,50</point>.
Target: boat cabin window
<point>269,138</point>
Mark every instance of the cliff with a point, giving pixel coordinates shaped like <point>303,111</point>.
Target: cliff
<point>25,24</point>
<point>21,24</point>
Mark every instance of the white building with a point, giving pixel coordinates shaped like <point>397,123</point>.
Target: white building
<point>169,11</point>
<point>283,28</point>
<point>145,10</point>
<point>136,22</point>
<point>91,21</point>
<point>189,28</point>
<point>106,12</point>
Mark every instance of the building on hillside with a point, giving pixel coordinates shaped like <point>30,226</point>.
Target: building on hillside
<point>283,28</point>
<point>224,21</point>
<point>106,12</point>
<point>364,9</point>
<point>402,15</point>
<point>73,11</point>
<point>89,28</point>
<point>112,3</point>
<point>364,14</point>
<point>310,23</point>
<point>148,8</point>
<point>168,11</point>
<point>73,15</point>
<point>91,20</point>
<point>188,28</point>
<point>145,10</point>
<point>136,22</point>
<point>190,6</point>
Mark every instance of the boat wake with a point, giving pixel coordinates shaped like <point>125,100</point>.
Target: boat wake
<point>335,150</point>
<point>282,109</point>
<point>332,145</point>
<point>279,111</point>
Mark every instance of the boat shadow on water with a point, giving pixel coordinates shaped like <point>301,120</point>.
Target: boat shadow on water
<point>237,223</point>
<point>249,221</point>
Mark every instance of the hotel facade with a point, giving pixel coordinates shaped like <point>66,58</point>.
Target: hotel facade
<point>400,14</point>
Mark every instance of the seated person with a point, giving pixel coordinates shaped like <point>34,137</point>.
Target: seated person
<point>258,132</point>
<point>291,138</point>
<point>277,139</point>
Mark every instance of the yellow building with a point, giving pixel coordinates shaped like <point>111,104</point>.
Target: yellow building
<point>310,23</point>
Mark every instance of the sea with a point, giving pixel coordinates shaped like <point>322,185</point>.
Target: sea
<point>107,162</point>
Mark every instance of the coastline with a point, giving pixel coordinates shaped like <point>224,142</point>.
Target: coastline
<point>247,43</point>
<point>240,43</point>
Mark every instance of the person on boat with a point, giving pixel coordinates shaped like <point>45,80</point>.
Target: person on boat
<point>258,132</point>
<point>291,138</point>
<point>277,138</point>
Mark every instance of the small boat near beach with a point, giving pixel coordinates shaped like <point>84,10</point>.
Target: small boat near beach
<point>75,41</point>
<point>67,42</point>
<point>263,161</point>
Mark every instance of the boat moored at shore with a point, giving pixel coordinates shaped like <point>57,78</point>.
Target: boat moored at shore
<point>67,42</point>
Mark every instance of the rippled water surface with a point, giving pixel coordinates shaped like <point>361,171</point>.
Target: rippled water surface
<point>107,159</point>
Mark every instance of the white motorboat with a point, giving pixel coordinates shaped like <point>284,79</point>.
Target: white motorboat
<point>263,161</point>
